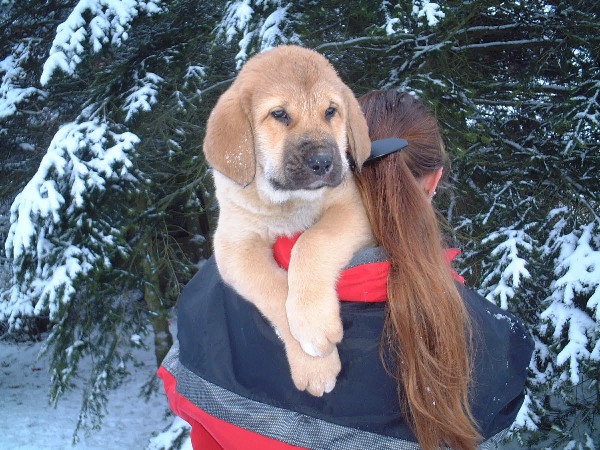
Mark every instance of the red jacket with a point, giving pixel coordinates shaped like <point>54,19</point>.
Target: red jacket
<point>228,375</point>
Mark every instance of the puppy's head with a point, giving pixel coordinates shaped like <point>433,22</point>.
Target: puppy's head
<point>289,120</point>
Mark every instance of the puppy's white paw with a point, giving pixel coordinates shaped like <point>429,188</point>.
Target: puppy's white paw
<point>315,375</point>
<point>316,325</point>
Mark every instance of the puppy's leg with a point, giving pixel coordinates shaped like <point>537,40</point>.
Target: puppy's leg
<point>317,260</point>
<point>249,267</point>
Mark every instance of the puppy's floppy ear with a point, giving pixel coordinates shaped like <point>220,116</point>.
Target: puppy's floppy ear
<point>359,142</point>
<point>229,144</point>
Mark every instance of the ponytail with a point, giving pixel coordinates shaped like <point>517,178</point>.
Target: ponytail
<point>426,337</point>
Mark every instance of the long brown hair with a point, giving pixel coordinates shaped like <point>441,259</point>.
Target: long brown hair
<point>427,335</point>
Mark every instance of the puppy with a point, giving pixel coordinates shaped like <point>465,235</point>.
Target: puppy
<point>277,141</point>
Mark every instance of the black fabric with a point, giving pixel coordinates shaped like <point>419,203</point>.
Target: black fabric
<point>225,340</point>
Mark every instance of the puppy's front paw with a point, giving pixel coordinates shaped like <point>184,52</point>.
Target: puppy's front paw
<point>315,375</point>
<point>316,325</point>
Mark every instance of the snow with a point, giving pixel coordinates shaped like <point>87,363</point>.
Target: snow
<point>30,422</point>
<point>510,43</point>
<point>194,73</point>
<point>424,11</point>
<point>510,268</point>
<point>577,268</point>
<point>79,160</point>
<point>11,94</point>
<point>143,95</point>
<point>42,198</point>
<point>109,24</point>
<point>236,18</point>
<point>580,266</point>
<point>165,440</point>
<point>272,29</point>
<point>240,19</point>
<point>579,325</point>
<point>575,257</point>
<point>525,417</point>
<point>428,10</point>
<point>390,22</point>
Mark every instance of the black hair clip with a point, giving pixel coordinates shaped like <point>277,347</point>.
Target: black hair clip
<point>383,147</point>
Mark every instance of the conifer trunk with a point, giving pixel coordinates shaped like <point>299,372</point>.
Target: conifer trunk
<point>163,340</point>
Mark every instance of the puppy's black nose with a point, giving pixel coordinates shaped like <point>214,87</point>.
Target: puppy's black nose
<point>320,164</point>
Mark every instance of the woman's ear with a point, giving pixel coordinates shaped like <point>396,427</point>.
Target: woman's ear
<point>431,180</point>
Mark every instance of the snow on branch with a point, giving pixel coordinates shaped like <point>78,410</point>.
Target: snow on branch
<point>272,30</point>
<point>197,73</point>
<point>390,22</point>
<point>579,264</point>
<point>526,417</point>
<point>11,93</point>
<point>585,117</point>
<point>421,50</point>
<point>143,95</point>
<point>430,11</point>
<point>577,268</point>
<point>350,42</point>
<point>487,28</point>
<point>236,19</point>
<point>509,268</point>
<point>52,239</point>
<point>164,440</point>
<point>516,42</point>
<point>242,18</point>
<point>110,23</point>
<point>497,201</point>
<point>578,326</point>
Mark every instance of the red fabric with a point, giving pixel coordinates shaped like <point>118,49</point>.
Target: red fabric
<point>364,283</point>
<point>210,433</point>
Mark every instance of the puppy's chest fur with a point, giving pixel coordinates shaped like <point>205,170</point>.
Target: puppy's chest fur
<point>246,207</point>
<point>299,218</point>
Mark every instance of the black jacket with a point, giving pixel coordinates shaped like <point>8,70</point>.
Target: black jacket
<point>226,346</point>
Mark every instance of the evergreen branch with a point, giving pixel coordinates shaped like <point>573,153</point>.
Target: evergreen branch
<point>509,26</point>
<point>352,42</point>
<point>515,43</point>
<point>165,201</point>
<point>515,102</point>
<point>214,86</point>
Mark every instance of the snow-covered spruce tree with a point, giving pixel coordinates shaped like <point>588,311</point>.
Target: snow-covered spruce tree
<point>59,239</point>
<point>114,218</point>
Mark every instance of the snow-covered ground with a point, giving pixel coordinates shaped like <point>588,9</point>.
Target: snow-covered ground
<point>28,421</point>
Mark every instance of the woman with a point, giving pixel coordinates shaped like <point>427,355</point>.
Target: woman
<point>426,362</point>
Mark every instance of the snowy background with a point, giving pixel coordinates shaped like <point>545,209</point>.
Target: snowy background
<point>30,422</point>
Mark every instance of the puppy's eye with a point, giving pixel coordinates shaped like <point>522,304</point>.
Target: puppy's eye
<point>330,112</point>
<point>281,116</point>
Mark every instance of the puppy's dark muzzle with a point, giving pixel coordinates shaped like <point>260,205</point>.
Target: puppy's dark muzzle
<point>310,164</point>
